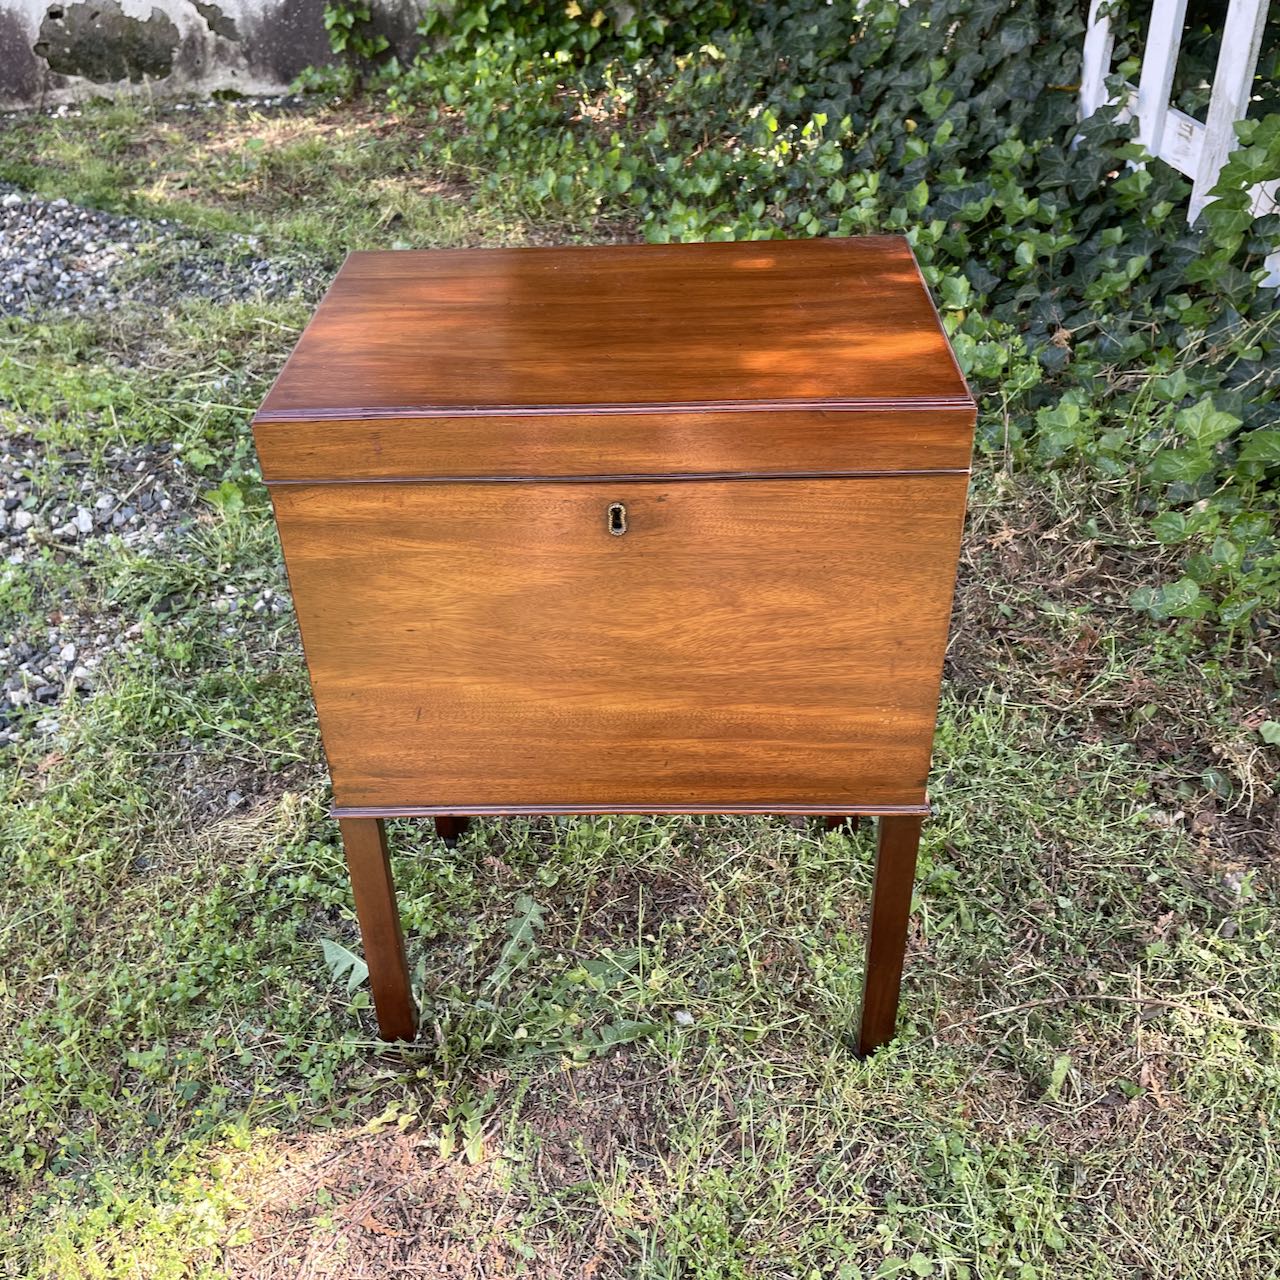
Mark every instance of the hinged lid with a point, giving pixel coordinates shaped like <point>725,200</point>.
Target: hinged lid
<point>457,363</point>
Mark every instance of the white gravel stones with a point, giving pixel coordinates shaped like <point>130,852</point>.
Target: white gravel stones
<point>57,258</point>
<point>54,254</point>
<point>50,504</point>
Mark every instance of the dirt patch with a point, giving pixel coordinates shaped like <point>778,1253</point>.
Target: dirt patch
<point>369,1206</point>
<point>627,900</point>
<point>373,1204</point>
<point>581,1120</point>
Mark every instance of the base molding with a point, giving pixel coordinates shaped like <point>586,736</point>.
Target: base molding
<point>833,808</point>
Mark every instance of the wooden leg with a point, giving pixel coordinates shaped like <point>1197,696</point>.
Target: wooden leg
<point>834,821</point>
<point>896,847</point>
<point>365,842</point>
<point>449,828</point>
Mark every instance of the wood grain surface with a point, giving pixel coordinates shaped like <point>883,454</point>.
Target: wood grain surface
<point>803,323</point>
<point>763,644</point>
<point>785,442</point>
<point>897,844</point>
<point>364,841</point>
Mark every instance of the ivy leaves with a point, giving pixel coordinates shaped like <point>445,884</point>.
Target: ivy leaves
<point>1181,599</point>
<point>1202,426</point>
<point>1263,447</point>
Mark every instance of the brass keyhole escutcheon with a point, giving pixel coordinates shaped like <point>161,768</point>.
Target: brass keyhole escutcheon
<point>617,519</point>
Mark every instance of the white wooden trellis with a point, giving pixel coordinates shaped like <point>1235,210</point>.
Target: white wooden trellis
<point>1198,150</point>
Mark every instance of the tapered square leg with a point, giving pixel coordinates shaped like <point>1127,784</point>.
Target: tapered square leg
<point>896,847</point>
<point>365,843</point>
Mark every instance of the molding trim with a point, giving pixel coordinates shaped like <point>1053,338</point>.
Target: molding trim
<point>639,477</point>
<point>837,809</point>
<point>362,413</point>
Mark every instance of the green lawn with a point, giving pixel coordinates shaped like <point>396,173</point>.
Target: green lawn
<point>655,1080</point>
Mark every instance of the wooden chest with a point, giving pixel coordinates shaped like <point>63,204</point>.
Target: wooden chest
<point>654,529</point>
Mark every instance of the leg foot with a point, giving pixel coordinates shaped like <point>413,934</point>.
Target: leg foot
<point>896,848</point>
<point>365,842</point>
<point>449,828</point>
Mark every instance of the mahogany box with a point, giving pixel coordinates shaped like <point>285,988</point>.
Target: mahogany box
<point>628,529</point>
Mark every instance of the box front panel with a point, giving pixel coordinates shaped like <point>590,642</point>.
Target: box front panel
<point>754,643</point>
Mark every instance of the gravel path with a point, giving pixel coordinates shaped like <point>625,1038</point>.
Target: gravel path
<point>65,508</point>
<point>59,259</point>
<point>133,500</point>
<point>54,254</point>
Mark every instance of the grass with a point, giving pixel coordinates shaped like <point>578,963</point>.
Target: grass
<point>329,180</point>
<point>635,1057</point>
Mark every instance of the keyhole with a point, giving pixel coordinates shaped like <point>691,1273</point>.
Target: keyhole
<point>617,519</point>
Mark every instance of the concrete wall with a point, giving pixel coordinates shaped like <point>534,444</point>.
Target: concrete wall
<point>54,51</point>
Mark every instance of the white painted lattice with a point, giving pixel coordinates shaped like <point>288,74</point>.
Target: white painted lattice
<point>1196,149</point>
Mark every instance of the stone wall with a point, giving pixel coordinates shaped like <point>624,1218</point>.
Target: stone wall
<point>54,51</point>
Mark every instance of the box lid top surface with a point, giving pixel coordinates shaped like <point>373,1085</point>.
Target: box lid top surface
<point>828,323</point>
